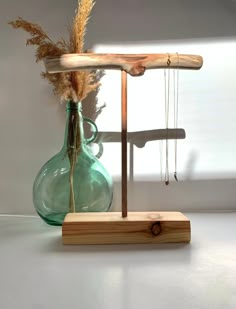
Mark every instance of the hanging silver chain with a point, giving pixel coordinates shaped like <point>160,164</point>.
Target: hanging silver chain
<point>176,111</point>
<point>167,104</point>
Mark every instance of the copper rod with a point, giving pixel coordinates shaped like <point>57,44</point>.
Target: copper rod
<point>124,143</point>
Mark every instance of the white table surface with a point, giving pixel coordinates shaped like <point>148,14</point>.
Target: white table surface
<point>37,271</point>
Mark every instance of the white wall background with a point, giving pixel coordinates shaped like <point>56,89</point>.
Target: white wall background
<point>32,120</point>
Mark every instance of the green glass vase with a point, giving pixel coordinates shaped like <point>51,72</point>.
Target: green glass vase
<point>73,180</point>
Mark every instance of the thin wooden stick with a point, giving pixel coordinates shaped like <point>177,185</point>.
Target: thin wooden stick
<point>124,143</point>
<point>134,64</point>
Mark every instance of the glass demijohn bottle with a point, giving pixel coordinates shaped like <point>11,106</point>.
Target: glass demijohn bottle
<point>73,180</point>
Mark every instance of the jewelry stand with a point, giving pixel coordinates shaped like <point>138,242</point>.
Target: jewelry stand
<point>126,227</point>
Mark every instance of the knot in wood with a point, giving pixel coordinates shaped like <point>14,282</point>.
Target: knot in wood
<point>137,70</point>
<point>156,228</point>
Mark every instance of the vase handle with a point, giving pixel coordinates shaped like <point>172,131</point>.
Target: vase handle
<point>95,130</point>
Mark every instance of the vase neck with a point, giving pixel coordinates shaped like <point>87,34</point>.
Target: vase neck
<point>71,105</point>
<point>74,134</point>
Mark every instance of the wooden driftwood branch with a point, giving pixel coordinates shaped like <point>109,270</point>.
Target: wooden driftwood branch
<point>133,64</point>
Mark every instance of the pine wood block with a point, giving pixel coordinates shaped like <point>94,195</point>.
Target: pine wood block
<point>137,227</point>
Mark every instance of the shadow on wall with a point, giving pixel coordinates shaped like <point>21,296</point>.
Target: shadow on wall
<point>90,104</point>
<point>139,21</point>
<point>121,22</point>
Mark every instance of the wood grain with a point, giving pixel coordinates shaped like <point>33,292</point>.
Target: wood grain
<point>134,64</point>
<point>137,227</point>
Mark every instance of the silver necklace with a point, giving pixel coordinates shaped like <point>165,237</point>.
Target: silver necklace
<point>176,111</point>
<point>167,105</point>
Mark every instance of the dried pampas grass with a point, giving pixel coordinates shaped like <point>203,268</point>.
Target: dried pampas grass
<point>69,86</point>
<point>73,86</point>
<point>79,26</point>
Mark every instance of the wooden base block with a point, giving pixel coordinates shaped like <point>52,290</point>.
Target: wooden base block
<point>138,227</point>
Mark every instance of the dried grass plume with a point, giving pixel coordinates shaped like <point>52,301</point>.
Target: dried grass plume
<point>70,85</point>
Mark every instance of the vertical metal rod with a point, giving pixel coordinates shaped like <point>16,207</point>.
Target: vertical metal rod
<point>124,143</point>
